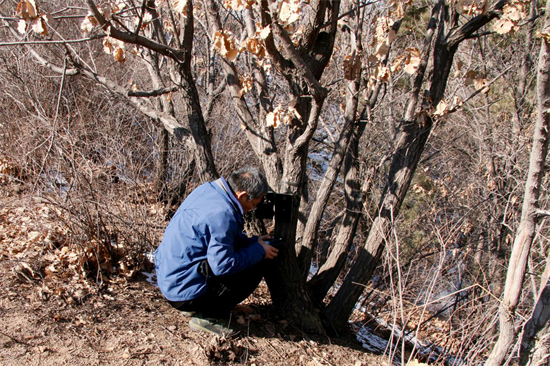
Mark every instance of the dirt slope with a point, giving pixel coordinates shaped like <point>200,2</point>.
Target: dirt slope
<point>50,317</point>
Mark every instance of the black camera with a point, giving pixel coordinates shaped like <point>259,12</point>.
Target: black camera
<point>275,205</point>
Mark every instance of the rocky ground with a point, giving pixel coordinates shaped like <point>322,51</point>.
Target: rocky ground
<point>50,316</point>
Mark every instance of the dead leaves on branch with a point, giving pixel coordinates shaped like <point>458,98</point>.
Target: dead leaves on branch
<point>31,18</point>
<point>226,45</point>
<point>238,5</point>
<point>281,115</point>
<point>512,13</point>
<point>115,47</point>
<point>409,61</point>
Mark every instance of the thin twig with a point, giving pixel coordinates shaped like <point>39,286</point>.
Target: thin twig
<point>51,42</point>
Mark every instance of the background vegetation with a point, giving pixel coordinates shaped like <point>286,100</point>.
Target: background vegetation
<point>403,130</point>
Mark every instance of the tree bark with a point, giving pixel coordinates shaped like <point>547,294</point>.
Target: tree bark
<point>535,341</point>
<point>414,132</point>
<point>524,236</point>
<point>309,239</point>
<point>328,273</point>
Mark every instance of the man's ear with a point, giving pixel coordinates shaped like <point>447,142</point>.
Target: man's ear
<point>240,194</point>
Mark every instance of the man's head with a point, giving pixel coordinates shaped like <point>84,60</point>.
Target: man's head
<point>250,186</point>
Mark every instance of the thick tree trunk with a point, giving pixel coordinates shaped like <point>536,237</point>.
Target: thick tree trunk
<point>287,287</point>
<point>526,230</point>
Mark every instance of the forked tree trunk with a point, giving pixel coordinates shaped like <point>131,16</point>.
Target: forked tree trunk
<point>314,219</point>
<point>526,230</point>
<point>414,132</point>
<point>328,273</point>
<point>401,172</point>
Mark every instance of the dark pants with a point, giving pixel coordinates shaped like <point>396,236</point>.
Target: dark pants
<point>223,293</point>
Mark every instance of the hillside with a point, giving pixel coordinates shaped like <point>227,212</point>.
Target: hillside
<point>51,316</point>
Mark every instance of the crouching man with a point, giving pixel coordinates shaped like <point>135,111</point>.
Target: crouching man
<point>205,264</point>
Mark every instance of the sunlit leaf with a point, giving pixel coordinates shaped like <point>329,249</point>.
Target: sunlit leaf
<point>263,33</point>
<point>27,10</point>
<point>472,7</point>
<point>180,6</point>
<point>238,5</point>
<point>280,115</point>
<point>272,120</point>
<point>88,23</point>
<point>145,21</point>
<point>247,83</point>
<point>225,45</point>
<point>39,26</point>
<point>119,55</point>
<point>457,102</point>
<point>412,65</point>
<point>22,26</point>
<point>289,11</point>
<point>441,109</point>
<point>481,83</point>
<point>512,12</point>
<point>255,46</point>
<point>382,73</point>
<point>503,26</point>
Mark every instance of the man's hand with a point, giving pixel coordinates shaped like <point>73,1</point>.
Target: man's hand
<point>270,252</point>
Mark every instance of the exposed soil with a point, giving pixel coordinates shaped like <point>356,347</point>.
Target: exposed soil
<point>50,316</point>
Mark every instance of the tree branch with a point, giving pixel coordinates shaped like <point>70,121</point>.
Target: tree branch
<point>474,24</point>
<point>153,93</point>
<point>50,42</point>
<point>135,38</point>
<point>542,213</point>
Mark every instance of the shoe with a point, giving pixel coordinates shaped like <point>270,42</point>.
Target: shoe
<point>209,326</point>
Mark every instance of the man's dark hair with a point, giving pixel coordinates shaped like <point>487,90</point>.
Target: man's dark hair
<point>251,180</point>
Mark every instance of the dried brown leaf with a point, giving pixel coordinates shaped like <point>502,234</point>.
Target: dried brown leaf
<point>226,45</point>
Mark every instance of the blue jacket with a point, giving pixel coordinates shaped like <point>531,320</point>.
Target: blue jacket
<point>207,225</point>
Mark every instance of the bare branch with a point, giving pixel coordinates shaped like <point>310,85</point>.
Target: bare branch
<point>134,38</point>
<point>153,93</point>
<point>542,213</point>
<point>81,40</point>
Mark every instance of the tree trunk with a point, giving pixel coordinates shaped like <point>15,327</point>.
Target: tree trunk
<point>526,230</point>
<point>328,273</point>
<point>309,238</point>
<point>287,287</point>
<point>402,169</point>
<point>414,132</point>
<point>535,342</point>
